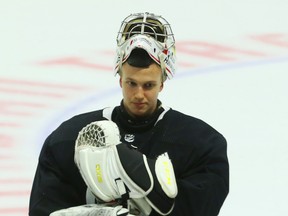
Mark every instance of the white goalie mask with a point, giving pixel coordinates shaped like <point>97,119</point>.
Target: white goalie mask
<point>149,32</point>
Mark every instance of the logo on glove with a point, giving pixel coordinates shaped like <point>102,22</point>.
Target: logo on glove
<point>99,173</point>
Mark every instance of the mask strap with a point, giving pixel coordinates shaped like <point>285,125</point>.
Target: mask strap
<point>163,66</point>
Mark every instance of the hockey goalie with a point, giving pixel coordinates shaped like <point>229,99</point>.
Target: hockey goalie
<point>86,169</point>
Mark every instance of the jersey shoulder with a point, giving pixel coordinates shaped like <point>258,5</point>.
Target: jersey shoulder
<point>69,129</point>
<point>188,125</point>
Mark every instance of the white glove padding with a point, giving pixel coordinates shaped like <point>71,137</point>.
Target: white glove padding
<point>92,210</point>
<point>109,168</point>
<point>152,178</point>
<point>94,156</point>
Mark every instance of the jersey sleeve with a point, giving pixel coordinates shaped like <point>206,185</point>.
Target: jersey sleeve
<point>57,183</point>
<point>53,188</point>
<point>204,186</point>
<point>199,156</point>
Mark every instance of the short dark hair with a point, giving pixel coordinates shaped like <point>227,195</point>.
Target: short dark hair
<point>139,58</point>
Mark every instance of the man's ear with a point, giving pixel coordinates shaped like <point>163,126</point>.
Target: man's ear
<point>161,87</point>
<point>120,82</point>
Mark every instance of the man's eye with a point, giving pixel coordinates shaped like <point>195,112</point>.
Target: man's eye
<point>149,85</point>
<point>130,83</point>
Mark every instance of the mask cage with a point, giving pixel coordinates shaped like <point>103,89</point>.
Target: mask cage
<point>146,24</point>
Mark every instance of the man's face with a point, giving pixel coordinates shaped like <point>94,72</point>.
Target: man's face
<point>140,88</point>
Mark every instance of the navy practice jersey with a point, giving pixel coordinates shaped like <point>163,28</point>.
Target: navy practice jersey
<point>198,153</point>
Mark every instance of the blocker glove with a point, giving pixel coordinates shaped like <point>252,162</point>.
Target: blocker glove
<point>116,171</point>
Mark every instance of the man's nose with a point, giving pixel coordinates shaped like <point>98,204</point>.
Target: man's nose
<point>139,93</point>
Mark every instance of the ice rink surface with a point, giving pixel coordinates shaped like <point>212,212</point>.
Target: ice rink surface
<point>56,60</point>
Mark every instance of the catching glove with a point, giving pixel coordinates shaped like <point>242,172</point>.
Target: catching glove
<point>113,170</point>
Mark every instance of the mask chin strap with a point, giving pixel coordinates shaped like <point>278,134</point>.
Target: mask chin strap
<point>163,66</point>
<point>120,56</point>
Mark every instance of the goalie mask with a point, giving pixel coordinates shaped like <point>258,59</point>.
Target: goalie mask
<point>151,33</point>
